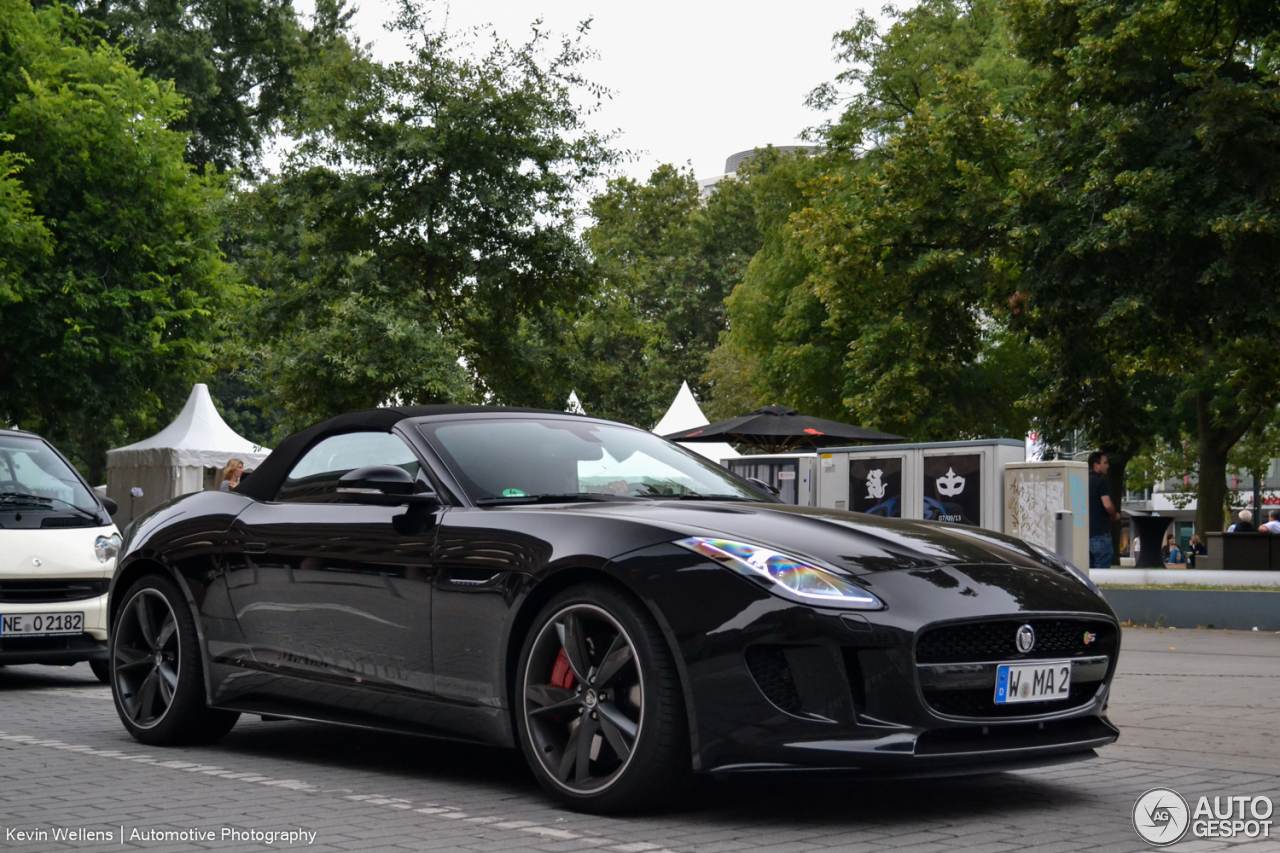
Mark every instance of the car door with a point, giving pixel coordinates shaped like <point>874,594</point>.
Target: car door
<point>335,597</point>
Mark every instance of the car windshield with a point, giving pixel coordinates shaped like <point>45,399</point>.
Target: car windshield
<point>523,460</point>
<point>36,479</point>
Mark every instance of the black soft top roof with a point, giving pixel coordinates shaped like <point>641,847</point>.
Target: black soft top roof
<point>266,480</point>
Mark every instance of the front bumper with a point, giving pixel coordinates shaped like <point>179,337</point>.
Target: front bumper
<point>779,686</point>
<point>61,649</point>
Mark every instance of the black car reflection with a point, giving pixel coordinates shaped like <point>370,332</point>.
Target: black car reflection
<point>624,612</point>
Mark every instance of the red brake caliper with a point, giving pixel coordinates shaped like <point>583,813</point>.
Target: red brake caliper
<point>562,673</point>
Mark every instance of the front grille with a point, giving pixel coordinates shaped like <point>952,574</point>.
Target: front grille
<point>977,642</point>
<point>50,591</point>
<point>768,666</point>
<point>981,702</point>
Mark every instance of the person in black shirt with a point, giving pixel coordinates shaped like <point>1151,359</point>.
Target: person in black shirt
<point>1102,511</point>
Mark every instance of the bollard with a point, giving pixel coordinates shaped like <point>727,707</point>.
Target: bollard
<point>1063,535</point>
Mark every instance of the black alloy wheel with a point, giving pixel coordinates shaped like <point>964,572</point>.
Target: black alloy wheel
<point>156,676</point>
<point>600,711</point>
<point>146,655</point>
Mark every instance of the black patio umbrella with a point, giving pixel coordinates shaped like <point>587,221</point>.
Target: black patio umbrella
<point>777,429</point>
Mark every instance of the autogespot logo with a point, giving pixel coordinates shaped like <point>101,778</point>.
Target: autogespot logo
<point>1162,817</point>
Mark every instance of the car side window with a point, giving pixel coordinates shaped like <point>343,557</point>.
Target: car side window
<point>315,478</point>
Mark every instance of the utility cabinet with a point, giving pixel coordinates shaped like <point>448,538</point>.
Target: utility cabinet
<point>957,481</point>
<point>792,474</point>
<point>1034,491</point>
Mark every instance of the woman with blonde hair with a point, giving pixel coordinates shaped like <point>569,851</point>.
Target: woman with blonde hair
<point>231,475</point>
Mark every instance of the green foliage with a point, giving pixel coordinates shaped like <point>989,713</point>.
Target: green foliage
<point>114,283</point>
<point>23,236</point>
<point>235,62</point>
<point>889,76</point>
<point>909,252</point>
<point>418,246</point>
<point>666,260</point>
<point>871,298</point>
<point>1148,227</point>
<point>778,348</point>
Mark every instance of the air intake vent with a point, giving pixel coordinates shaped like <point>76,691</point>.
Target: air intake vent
<point>49,591</point>
<point>769,668</point>
<point>69,521</point>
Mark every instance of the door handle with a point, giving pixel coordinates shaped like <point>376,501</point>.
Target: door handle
<point>255,547</point>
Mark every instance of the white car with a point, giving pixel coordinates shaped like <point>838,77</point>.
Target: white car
<point>58,550</point>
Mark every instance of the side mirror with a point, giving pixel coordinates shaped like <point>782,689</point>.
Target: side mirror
<point>110,506</point>
<point>773,490</point>
<point>386,485</point>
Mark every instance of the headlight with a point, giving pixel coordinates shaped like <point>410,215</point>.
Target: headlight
<point>107,548</point>
<point>784,575</point>
<point>1060,563</point>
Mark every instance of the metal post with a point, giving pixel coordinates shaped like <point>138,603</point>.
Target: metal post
<point>1064,525</point>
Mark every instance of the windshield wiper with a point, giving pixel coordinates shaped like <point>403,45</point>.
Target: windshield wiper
<point>568,497</point>
<point>42,501</point>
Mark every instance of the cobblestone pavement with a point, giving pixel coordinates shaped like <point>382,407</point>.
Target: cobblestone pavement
<point>1199,711</point>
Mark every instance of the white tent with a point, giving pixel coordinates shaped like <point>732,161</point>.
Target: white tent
<point>686,414</point>
<point>177,460</point>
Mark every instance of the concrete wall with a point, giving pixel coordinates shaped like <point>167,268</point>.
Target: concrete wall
<point>1239,610</point>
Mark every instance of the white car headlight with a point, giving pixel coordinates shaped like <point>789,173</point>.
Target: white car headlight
<point>107,548</point>
<point>784,575</point>
<point>1060,563</point>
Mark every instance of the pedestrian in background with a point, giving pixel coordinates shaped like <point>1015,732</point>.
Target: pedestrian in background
<point>1273,522</point>
<point>231,475</point>
<point>1102,512</point>
<point>1245,523</point>
<point>1198,549</point>
<point>1173,554</point>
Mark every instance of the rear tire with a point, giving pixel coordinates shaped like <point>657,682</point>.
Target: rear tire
<point>156,670</point>
<point>102,669</point>
<point>599,707</point>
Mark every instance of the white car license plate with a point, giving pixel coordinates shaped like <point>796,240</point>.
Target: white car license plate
<point>1042,681</point>
<point>31,624</point>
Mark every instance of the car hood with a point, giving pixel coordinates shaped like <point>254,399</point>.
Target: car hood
<point>859,544</point>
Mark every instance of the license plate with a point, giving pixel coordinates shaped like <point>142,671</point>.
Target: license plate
<point>31,624</point>
<point>1042,681</point>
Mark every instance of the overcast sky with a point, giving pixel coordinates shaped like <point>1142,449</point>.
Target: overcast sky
<point>693,81</point>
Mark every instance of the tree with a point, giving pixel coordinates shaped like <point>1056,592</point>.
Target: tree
<point>121,285</point>
<point>235,62</point>
<point>419,244</point>
<point>1155,201</point>
<point>908,252</point>
<point>23,235</point>
<point>778,348</point>
<point>871,299</point>
<point>666,259</point>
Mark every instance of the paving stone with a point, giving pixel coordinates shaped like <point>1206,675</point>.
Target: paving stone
<point>1186,723</point>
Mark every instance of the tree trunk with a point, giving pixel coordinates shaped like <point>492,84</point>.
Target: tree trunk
<point>1216,441</point>
<point>1211,488</point>
<point>1115,480</point>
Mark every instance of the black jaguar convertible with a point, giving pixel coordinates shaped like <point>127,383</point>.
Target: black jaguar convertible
<point>624,611</point>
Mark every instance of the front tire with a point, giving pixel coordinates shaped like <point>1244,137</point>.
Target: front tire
<point>599,707</point>
<point>157,678</point>
<point>102,669</point>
